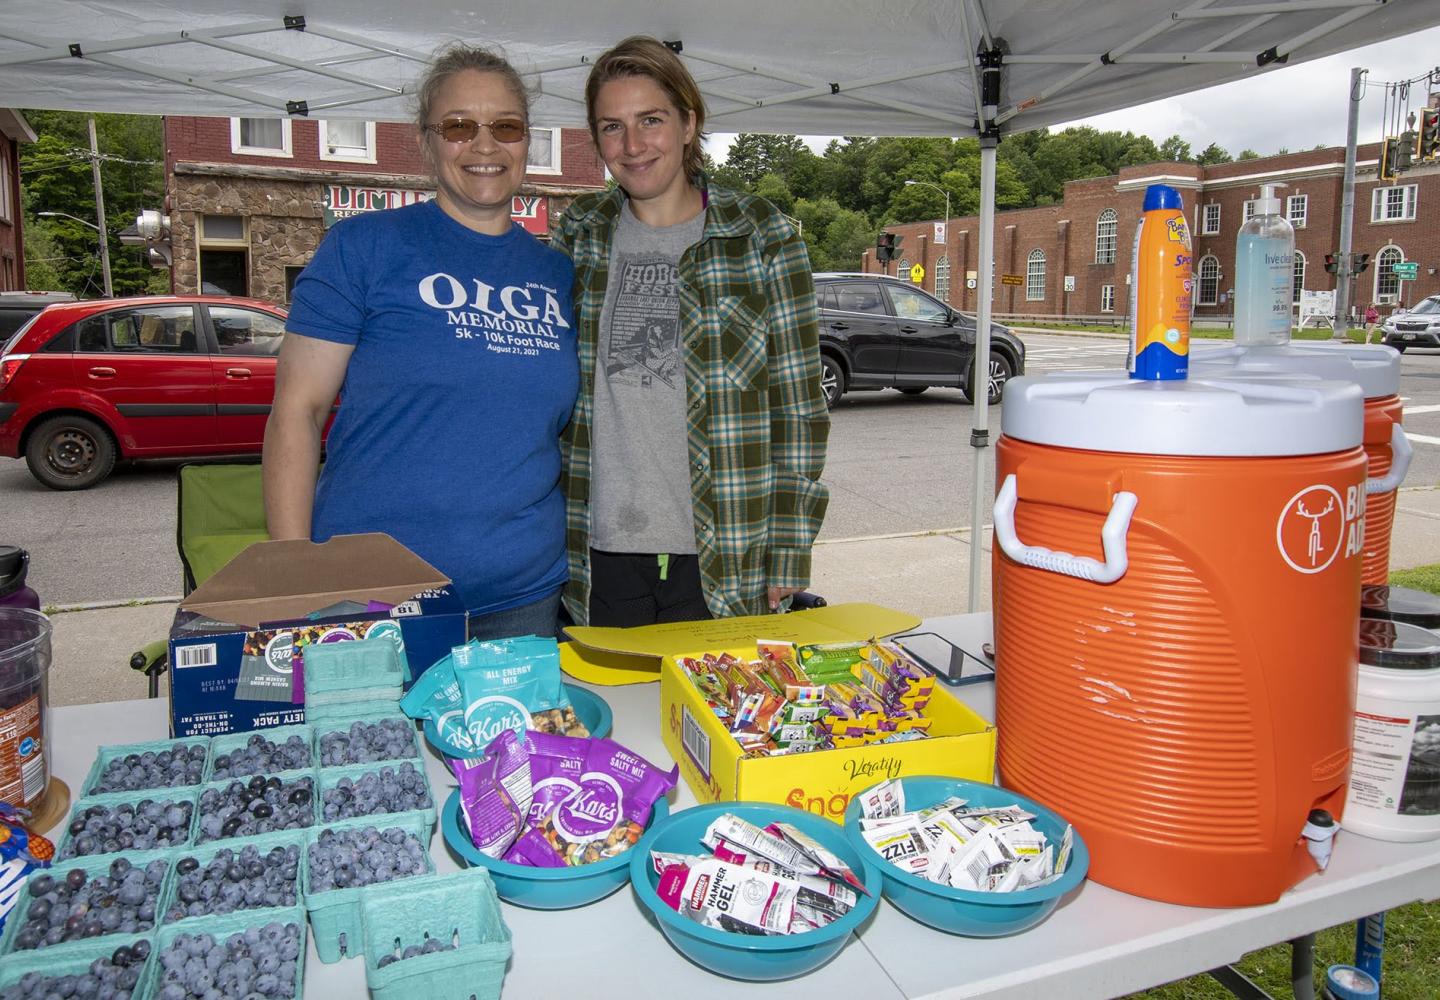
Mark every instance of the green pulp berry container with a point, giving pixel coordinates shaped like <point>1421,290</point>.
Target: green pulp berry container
<point>342,678</point>
<point>287,778</point>
<point>168,796</point>
<point>342,723</point>
<point>91,866</point>
<point>106,754</point>
<point>335,913</point>
<point>55,963</point>
<point>221,927</point>
<point>330,777</point>
<point>221,746</point>
<point>458,907</point>
<point>204,853</point>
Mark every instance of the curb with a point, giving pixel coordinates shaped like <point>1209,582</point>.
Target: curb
<point>137,602</point>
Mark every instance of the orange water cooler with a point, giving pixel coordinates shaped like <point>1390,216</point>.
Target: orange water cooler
<point>1376,369</point>
<point>1175,618</point>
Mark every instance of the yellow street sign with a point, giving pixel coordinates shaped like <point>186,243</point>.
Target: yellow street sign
<point>917,273</point>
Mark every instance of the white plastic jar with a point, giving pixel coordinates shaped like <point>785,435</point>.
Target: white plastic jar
<point>1395,770</point>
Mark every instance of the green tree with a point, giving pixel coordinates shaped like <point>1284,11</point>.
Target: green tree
<point>1248,154</point>
<point>753,155</point>
<point>1175,149</point>
<point>772,188</point>
<point>1212,153</point>
<point>846,239</point>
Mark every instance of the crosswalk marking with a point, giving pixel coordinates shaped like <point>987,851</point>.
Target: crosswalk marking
<point>1421,409</point>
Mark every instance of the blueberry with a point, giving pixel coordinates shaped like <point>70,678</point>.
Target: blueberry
<point>186,865</point>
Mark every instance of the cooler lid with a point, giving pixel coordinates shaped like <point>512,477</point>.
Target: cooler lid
<point>1397,646</point>
<point>1400,604</point>
<point>1375,367</point>
<point>1239,415</point>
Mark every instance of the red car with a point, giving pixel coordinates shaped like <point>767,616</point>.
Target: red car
<point>86,384</point>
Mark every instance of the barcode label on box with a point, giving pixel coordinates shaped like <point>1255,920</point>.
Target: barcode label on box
<point>696,743</point>
<point>407,609</point>
<point>32,777</point>
<point>204,655</point>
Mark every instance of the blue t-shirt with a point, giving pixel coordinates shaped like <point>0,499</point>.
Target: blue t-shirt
<point>463,376</point>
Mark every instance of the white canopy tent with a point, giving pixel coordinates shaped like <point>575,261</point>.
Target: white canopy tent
<point>818,67</point>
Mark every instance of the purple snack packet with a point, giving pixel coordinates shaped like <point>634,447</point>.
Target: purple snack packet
<point>533,851</point>
<point>556,765</point>
<point>495,795</point>
<point>609,810</point>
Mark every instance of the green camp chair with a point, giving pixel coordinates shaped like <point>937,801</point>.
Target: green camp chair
<point>221,511</point>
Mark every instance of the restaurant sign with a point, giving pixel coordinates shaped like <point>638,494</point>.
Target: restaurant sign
<point>342,201</point>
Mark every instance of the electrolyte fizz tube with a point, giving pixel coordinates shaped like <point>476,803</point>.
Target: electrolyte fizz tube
<point>1161,289</point>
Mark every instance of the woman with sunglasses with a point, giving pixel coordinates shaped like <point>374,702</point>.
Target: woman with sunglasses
<point>447,330</point>
<point>693,460</point>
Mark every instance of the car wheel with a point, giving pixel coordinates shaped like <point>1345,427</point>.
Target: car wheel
<point>1000,372</point>
<point>913,390</point>
<point>832,380</point>
<point>70,453</point>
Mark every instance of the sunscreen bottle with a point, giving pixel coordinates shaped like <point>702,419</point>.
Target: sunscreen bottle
<point>1160,289</point>
<point>1264,274</point>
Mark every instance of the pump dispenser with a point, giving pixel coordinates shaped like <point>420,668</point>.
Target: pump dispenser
<point>1264,274</point>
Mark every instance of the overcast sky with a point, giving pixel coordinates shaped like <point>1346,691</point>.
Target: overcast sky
<point>1293,108</point>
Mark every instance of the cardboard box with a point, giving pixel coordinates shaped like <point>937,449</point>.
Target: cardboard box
<point>234,641</point>
<point>961,743</point>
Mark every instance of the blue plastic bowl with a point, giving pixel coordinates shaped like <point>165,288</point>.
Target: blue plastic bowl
<point>745,956</point>
<point>542,888</point>
<point>590,708</point>
<point>962,911</point>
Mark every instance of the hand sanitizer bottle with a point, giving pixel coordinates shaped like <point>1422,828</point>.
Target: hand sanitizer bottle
<point>1264,274</point>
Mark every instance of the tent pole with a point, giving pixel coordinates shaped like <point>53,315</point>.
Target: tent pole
<point>980,373</point>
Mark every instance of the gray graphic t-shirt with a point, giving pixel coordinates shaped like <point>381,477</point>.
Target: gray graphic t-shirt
<point>640,487</point>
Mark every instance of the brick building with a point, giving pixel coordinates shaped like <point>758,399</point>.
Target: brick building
<point>1073,258</point>
<point>14,130</point>
<point>249,199</point>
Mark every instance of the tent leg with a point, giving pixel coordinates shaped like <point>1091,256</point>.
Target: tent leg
<point>980,372</point>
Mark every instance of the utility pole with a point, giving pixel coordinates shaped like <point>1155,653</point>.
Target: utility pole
<point>100,211</point>
<point>1344,269</point>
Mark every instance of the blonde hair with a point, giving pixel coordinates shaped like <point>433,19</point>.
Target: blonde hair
<point>458,58</point>
<point>641,55</point>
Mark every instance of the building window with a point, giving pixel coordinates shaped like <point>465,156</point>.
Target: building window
<point>1393,204</point>
<point>260,136</point>
<point>1249,211</point>
<point>942,280</point>
<point>1387,285</point>
<point>1105,229</point>
<point>224,260</point>
<point>1107,298</point>
<point>1299,276</point>
<point>5,206</point>
<point>1210,221</point>
<point>1209,291</point>
<point>1035,276</point>
<point>903,270</point>
<point>347,140</point>
<point>292,273</point>
<point>544,151</point>
<point>1297,207</point>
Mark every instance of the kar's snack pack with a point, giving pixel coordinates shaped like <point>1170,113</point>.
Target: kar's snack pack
<point>774,880</point>
<point>552,801</point>
<point>991,849</point>
<point>798,699</point>
<point>482,688</point>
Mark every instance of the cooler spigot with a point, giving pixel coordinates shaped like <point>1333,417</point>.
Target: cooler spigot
<point>1319,833</point>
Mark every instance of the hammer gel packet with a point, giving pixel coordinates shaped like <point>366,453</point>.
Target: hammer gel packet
<point>729,897</point>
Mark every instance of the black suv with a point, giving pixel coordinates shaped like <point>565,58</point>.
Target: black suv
<point>879,333</point>
<point>17,308</point>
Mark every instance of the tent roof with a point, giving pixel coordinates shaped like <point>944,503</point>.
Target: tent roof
<point>826,67</point>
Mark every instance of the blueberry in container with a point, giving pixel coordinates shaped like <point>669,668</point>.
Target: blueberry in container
<point>123,822</point>
<point>130,905</point>
<point>231,880</point>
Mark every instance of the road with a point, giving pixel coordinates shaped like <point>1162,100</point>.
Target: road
<point>897,465</point>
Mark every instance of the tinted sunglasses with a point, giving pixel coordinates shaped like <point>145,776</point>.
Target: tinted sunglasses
<point>466,129</point>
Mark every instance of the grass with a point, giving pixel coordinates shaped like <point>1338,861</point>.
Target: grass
<point>1412,933</point>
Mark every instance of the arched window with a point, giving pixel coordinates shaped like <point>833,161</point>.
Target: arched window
<point>1387,285</point>
<point>942,280</point>
<point>1105,229</point>
<point>1209,287</point>
<point>1035,276</point>
<point>1299,276</point>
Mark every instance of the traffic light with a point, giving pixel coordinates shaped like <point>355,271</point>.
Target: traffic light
<point>887,247</point>
<point>1429,146</point>
<point>1331,266</point>
<point>1359,262</point>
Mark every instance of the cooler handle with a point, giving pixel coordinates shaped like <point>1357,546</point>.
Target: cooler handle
<point>1401,453</point>
<point>1112,537</point>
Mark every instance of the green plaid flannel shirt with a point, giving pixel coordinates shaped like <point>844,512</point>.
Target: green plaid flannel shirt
<point>756,416</point>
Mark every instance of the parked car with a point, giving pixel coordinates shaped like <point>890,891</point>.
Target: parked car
<point>1418,327</point>
<point>18,308</point>
<point>878,332</point>
<point>87,384</point>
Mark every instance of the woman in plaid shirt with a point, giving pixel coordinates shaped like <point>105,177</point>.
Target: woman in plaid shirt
<point>692,461</point>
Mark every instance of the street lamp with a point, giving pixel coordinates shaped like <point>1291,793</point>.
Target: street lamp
<point>104,246</point>
<point>946,193</point>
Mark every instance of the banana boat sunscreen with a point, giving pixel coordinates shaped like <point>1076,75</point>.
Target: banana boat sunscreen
<point>1161,289</point>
